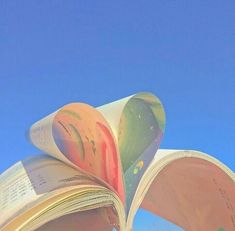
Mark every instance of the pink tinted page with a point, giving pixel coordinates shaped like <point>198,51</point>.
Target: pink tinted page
<point>194,194</point>
<point>86,221</point>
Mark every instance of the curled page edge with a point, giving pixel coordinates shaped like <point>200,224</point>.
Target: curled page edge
<point>42,136</point>
<point>162,158</point>
<point>22,221</point>
<point>114,112</point>
<point>41,132</point>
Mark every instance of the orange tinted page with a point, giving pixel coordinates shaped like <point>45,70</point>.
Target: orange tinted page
<point>81,135</point>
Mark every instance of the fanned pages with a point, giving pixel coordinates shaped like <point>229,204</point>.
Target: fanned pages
<point>80,136</point>
<point>138,123</point>
<point>103,164</point>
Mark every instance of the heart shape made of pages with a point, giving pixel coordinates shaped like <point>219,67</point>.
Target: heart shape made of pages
<point>115,142</point>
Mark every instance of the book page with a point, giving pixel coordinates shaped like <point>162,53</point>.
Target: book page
<point>86,221</point>
<point>194,194</point>
<point>138,122</point>
<point>47,174</point>
<point>28,181</point>
<point>121,148</point>
<point>79,135</point>
<point>16,191</point>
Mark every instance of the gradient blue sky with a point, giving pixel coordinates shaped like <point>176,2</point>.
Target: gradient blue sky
<point>56,52</point>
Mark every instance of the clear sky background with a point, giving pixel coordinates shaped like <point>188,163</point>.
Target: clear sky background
<point>56,52</point>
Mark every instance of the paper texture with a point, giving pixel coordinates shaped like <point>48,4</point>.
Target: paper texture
<point>47,174</point>
<point>194,194</point>
<point>105,165</point>
<point>16,191</point>
<point>111,142</point>
<point>86,221</point>
<point>138,122</point>
<point>83,137</point>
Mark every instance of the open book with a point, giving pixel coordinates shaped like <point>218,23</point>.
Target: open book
<point>103,164</point>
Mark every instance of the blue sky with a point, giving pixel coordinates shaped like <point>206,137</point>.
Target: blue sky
<point>56,52</point>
